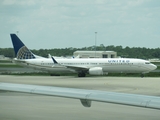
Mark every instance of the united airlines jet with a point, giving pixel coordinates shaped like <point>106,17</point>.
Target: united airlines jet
<point>92,66</point>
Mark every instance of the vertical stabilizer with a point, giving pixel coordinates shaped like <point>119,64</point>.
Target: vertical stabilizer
<point>21,51</point>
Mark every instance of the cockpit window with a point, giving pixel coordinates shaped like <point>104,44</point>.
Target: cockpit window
<point>147,63</point>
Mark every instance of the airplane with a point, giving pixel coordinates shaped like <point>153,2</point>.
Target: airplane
<point>82,66</point>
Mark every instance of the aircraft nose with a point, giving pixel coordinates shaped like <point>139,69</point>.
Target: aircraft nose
<point>153,67</point>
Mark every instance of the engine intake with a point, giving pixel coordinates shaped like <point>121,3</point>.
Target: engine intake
<point>96,71</point>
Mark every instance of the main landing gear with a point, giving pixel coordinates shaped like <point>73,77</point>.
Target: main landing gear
<point>142,75</point>
<point>54,74</point>
<point>81,74</point>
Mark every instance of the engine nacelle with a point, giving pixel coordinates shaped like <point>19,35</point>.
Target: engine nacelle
<point>96,71</point>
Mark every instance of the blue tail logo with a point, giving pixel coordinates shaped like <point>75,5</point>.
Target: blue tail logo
<point>21,51</point>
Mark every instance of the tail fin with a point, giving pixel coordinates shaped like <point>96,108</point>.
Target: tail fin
<point>21,51</point>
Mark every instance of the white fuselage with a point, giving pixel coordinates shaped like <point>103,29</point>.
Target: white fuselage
<point>108,65</point>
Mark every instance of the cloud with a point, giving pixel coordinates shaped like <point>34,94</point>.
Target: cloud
<point>19,2</point>
<point>116,21</point>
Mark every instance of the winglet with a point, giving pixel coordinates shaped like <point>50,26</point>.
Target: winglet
<point>49,56</point>
<point>54,60</point>
<point>21,51</point>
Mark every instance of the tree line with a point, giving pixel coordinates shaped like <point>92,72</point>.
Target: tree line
<point>127,52</point>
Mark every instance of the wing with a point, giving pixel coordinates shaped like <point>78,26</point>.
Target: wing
<point>86,96</point>
<point>76,68</point>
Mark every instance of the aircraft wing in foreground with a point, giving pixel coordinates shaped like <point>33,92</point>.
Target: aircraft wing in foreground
<point>86,96</point>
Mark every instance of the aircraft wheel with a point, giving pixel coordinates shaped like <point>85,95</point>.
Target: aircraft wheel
<point>54,74</point>
<point>142,75</point>
<point>81,74</point>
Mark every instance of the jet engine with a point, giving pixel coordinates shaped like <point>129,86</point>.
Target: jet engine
<point>96,71</point>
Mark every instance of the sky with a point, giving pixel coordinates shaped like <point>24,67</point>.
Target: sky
<point>49,24</point>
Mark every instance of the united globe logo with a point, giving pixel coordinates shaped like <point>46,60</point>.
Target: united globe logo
<point>24,53</point>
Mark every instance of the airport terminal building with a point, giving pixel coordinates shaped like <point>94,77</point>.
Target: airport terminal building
<point>95,54</point>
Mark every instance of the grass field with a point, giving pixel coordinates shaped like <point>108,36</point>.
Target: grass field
<point>10,65</point>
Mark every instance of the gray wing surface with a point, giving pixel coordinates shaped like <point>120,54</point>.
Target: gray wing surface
<point>76,68</point>
<point>86,96</point>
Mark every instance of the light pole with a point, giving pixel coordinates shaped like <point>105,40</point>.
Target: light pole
<point>95,42</point>
<point>17,33</point>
